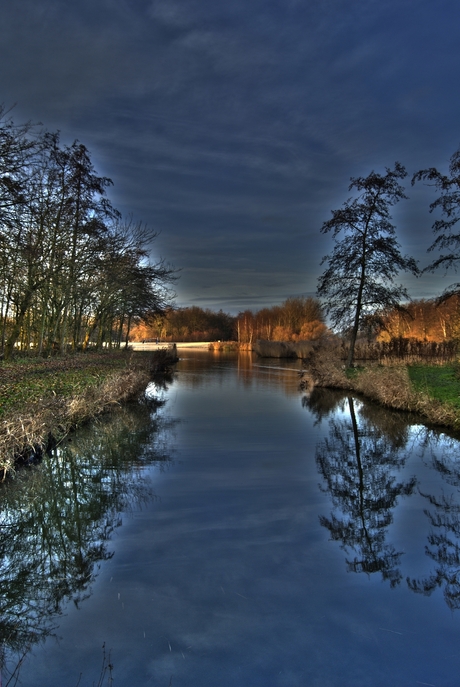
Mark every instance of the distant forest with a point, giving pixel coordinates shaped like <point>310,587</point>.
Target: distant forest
<point>297,319</point>
<point>300,319</point>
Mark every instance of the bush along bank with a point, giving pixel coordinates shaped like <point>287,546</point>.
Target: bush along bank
<point>284,349</point>
<point>431,391</point>
<point>41,401</point>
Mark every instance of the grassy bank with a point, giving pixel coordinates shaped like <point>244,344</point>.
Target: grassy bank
<point>432,391</point>
<point>440,382</point>
<point>41,401</point>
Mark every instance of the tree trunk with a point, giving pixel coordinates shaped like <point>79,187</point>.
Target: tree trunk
<point>14,336</point>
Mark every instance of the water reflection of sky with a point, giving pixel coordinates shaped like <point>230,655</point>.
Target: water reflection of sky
<point>231,576</point>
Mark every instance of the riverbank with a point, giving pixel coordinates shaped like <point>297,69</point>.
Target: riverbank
<point>153,346</point>
<point>187,345</point>
<point>41,401</point>
<point>431,391</point>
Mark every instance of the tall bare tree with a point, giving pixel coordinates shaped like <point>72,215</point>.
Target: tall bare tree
<point>445,228</point>
<point>359,279</point>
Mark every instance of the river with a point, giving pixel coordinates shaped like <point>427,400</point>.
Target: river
<point>231,530</point>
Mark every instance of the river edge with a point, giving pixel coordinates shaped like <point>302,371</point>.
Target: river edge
<point>71,391</point>
<point>389,385</point>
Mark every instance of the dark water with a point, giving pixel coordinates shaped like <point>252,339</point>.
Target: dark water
<point>237,534</point>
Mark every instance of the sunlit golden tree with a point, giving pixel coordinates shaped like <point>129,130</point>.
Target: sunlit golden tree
<point>296,319</point>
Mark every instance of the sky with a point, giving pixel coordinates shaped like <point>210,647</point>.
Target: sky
<point>233,128</point>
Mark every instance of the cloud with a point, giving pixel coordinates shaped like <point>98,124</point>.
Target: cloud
<point>209,116</point>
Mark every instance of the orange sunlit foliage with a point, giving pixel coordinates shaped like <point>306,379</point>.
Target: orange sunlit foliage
<point>424,320</point>
<point>297,319</point>
<point>312,330</point>
<point>140,332</point>
<point>281,333</point>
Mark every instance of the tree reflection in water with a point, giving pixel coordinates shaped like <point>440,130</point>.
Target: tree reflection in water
<point>358,462</point>
<point>444,517</point>
<point>55,524</point>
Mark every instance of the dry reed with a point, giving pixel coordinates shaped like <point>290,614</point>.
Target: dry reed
<point>25,436</point>
<point>387,384</point>
<point>283,349</point>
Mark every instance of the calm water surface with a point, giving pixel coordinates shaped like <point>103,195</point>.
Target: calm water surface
<point>238,533</point>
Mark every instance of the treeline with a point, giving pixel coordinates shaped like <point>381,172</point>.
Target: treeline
<point>296,319</point>
<point>424,320</point>
<point>72,270</point>
<point>185,324</point>
<point>422,329</point>
<point>301,319</point>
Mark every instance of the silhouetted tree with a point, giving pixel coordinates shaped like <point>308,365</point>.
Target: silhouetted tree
<point>18,147</point>
<point>69,267</point>
<point>359,279</point>
<point>448,202</point>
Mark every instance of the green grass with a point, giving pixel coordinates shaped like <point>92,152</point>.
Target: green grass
<point>26,382</point>
<point>353,372</point>
<point>441,382</point>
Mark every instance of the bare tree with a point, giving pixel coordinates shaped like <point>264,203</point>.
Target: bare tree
<point>69,266</point>
<point>359,279</point>
<point>445,228</point>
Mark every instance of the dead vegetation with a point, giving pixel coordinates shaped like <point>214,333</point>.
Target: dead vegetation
<point>40,423</point>
<point>388,384</point>
<point>224,346</point>
<point>283,349</point>
<point>26,436</point>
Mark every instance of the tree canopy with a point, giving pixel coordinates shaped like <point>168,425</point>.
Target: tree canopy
<point>72,269</point>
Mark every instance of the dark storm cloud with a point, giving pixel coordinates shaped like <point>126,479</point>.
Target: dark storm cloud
<point>233,128</point>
